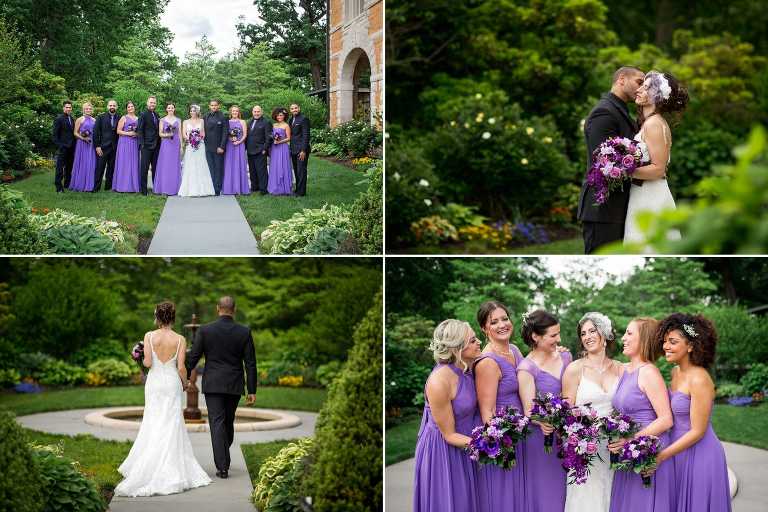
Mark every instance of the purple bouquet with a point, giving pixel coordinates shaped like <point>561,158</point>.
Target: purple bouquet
<point>494,443</point>
<point>195,138</point>
<point>580,436</point>
<point>86,134</point>
<point>235,133</point>
<point>613,163</point>
<point>137,354</point>
<point>614,427</point>
<point>129,127</point>
<point>552,409</point>
<point>639,455</point>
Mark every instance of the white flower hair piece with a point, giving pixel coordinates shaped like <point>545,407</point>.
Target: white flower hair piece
<point>525,318</point>
<point>658,86</point>
<point>690,330</point>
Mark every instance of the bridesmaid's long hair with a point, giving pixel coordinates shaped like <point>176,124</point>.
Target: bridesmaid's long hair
<point>699,333</point>
<point>650,348</point>
<point>280,110</point>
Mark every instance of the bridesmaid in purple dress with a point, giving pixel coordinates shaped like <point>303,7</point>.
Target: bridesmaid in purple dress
<point>235,160</point>
<point>168,177</point>
<point>542,372</point>
<point>642,394</point>
<point>84,167</point>
<point>127,157</point>
<point>280,180</point>
<point>445,477</point>
<point>496,383</point>
<point>698,457</point>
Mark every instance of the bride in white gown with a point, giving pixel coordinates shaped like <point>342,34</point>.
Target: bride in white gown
<point>161,460</point>
<point>659,94</point>
<point>593,380</point>
<point>195,177</point>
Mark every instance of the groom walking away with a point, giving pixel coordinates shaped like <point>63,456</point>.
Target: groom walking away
<point>602,224</point>
<point>299,148</point>
<point>105,140</point>
<point>258,142</point>
<point>64,138</point>
<point>216,131</point>
<point>148,135</point>
<point>226,345</point>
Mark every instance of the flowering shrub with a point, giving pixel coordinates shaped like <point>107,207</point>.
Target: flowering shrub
<point>354,138</point>
<point>434,230</point>
<point>111,371</point>
<point>497,237</point>
<point>293,381</point>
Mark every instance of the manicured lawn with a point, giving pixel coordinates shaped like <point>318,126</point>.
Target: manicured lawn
<point>138,215</point>
<point>256,453</point>
<point>327,182</point>
<point>298,399</point>
<point>741,425</point>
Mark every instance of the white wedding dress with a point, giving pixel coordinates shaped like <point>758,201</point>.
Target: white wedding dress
<point>195,176</point>
<point>653,195</point>
<point>161,460</point>
<point>595,494</point>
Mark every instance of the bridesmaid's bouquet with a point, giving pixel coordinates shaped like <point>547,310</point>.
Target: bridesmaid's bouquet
<point>195,138</point>
<point>137,354</point>
<point>613,163</point>
<point>580,441</point>
<point>235,133</point>
<point>86,134</point>
<point>639,455</point>
<point>168,128</point>
<point>553,409</point>
<point>614,427</point>
<point>494,443</point>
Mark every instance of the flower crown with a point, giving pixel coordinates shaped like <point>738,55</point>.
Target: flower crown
<point>688,328</point>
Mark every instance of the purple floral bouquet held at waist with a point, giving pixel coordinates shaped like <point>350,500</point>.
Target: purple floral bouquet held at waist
<point>613,162</point>
<point>137,354</point>
<point>494,443</point>
<point>235,133</point>
<point>195,139</point>
<point>639,455</point>
<point>86,134</point>
<point>168,128</point>
<point>616,426</point>
<point>553,409</point>
<point>580,436</point>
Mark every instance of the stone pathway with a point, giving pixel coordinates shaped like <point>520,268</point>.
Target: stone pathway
<point>202,225</point>
<point>230,495</point>
<point>750,465</point>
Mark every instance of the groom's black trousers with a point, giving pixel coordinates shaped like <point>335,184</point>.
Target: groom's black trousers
<point>221,420</point>
<point>600,233</point>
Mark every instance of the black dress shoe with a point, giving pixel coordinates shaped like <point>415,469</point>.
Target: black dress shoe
<point>222,474</point>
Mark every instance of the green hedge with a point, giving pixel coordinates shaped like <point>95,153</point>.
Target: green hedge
<point>21,488</point>
<point>17,234</point>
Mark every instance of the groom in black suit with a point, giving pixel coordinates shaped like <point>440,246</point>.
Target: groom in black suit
<point>602,224</point>
<point>300,148</point>
<point>148,135</point>
<point>64,138</point>
<point>216,132</point>
<point>226,346</point>
<point>105,141</point>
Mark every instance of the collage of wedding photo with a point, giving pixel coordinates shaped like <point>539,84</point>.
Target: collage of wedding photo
<point>383,256</point>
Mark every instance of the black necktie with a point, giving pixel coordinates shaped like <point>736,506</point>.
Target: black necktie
<point>112,121</point>
<point>69,121</point>
<point>154,118</point>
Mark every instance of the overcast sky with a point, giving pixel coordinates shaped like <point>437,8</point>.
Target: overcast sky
<point>622,266</point>
<point>189,20</point>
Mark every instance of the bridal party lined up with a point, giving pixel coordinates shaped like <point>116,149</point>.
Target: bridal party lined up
<point>547,432</point>
<point>202,155</point>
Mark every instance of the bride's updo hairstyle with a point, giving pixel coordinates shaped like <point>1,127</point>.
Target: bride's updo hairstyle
<point>536,322</point>
<point>667,94</point>
<point>448,340</point>
<point>165,313</point>
<point>604,328</point>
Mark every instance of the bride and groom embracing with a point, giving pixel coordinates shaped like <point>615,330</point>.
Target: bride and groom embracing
<point>655,94</point>
<point>161,460</point>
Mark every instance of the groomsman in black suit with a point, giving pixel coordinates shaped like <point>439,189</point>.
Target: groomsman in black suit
<point>148,134</point>
<point>105,141</point>
<point>64,138</point>
<point>299,148</point>
<point>257,144</point>
<point>216,131</point>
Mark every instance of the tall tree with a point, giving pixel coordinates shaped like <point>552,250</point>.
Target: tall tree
<point>291,29</point>
<point>136,72</point>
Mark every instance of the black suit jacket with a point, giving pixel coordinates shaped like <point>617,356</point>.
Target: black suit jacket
<point>259,136</point>
<point>63,132</point>
<point>299,134</point>
<point>148,130</point>
<point>216,131</point>
<point>609,118</point>
<point>226,346</point>
<point>104,136</point>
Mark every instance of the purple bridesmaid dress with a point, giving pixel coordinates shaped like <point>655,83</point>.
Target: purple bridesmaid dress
<point>168,177</point>
<point>280,180</point>
<point>700,471</point>
<point>627,492</point>
<point>445,478</point>
<point>235,166</point>
<point>84,166</point>
<point>501,489</point>
<point>543,473</point>
<point>127,160</point>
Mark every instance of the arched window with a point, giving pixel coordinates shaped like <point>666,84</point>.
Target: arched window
<point>361,94</point>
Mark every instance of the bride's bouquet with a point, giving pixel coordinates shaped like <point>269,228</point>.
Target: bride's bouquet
<point>137,354</point>
<point>614,427</point>
<point>195,138</point>
<point>639,455</point>
<point>494,443</point>
<point>613,162</point>
<point>552,409</point>
<point>580,441</point>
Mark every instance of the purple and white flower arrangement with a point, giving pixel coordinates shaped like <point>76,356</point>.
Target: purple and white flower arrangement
<point>494,443</point>
<point>553,409</point>
<point>580,435</point>
<point>137,354</point>
<point>235,133</point>
<point>639,455</point>
<point>616,426</point>
<point>195,138</point>
<point>613,163</point>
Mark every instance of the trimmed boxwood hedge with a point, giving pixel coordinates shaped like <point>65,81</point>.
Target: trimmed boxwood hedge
<point>20,481</point>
